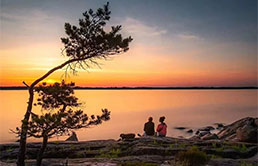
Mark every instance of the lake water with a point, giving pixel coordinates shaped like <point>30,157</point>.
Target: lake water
<point>130,109</point>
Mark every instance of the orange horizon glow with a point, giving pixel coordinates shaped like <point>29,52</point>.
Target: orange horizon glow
<point>118,73</point>
<point>130,69</point>
<point>109,79</point>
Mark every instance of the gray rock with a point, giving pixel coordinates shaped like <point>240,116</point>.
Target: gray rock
<point>247,133</point>
<point>219,125</point>
<point>209,137</point>
<point>180,128</point>
<point>208,128</point>
<point>190,131</point>
<point>129,136</point>
<point>203,133</point>
<point>73,137</point>
<point>244,130</point>
<point>195,138</point>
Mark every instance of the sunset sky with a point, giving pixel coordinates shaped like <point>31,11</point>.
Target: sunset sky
<point>176,42</point>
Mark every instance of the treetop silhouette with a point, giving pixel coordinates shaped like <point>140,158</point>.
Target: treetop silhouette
<point>90,41</point>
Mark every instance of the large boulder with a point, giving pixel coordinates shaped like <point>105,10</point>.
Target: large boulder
<point>248,133</point>
<point>243,130</point>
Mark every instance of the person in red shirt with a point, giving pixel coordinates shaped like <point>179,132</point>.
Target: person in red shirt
<point>162,127</point>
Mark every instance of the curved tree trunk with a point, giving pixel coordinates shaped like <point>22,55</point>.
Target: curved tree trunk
<point>41,151</point>
<point>24,127</point>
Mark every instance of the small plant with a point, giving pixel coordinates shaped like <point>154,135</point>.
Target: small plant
<point>241,148</point>
<point>195,147</point>
<point>56,142</point>
<point>192,157</point>
<point>155,142</point>
<point>171,146</point>
<point>215,157</point>
<point>182,146</point>
<point>9,150</point>
<point>219,149</point>
<point>214,144</point>
<point>72,147</point>
<point>114,153</point>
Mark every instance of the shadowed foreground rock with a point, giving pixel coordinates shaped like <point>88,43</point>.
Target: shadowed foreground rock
<point>119,162</point>
<point>147,149</point>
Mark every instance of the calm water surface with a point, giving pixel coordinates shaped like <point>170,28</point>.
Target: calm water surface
<point>130,109</point>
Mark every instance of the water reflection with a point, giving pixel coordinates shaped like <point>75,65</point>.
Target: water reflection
<point>131,108</point>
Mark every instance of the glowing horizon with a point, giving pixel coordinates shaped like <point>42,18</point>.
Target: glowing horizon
<point>180,47</point>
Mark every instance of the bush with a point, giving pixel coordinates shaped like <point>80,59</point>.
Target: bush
<point>114,153</point>
<point>240,148</point>
<point>192,157</point>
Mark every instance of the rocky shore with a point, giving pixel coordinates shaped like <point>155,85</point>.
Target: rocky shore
<point>235,145</point>
<point>243,130</point>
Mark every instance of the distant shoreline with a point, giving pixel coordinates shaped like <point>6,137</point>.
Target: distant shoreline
<point>141,88</point>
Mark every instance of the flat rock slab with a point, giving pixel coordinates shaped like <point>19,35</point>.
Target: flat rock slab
<point>117,162</point>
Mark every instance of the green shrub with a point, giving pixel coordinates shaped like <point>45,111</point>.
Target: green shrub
<point>9,150</point>
<point>114,153</point>
<point>192,157</point>
<point>155,142</point>
<point>240,148</point>
<point>214,144</point>
<point>171,146</point>
<point>219,149</point>
<point>215,157</point>
<point>182,145</point>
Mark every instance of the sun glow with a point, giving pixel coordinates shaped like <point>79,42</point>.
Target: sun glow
<point>50,81</point>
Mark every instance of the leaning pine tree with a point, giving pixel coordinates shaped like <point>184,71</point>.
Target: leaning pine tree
<point>83,45</point>
<point>63,118</point>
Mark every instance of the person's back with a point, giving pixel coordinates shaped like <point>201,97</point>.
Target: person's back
<point>162,127</point>
<point>149,127</point>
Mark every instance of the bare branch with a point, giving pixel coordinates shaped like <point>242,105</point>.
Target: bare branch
<point>25,84</point>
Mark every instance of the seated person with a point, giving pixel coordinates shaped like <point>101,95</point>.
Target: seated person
<point>149,128</point>
<point>162,127</point>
